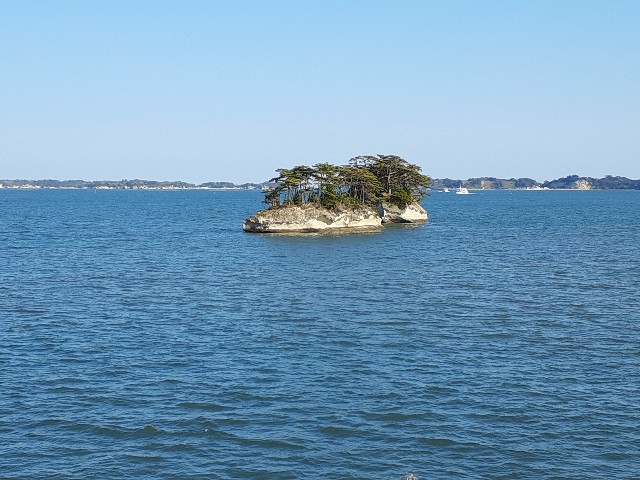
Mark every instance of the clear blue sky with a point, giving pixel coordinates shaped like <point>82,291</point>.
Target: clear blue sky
<point>213,90</point>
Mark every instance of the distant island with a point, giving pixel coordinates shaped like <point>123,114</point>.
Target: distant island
<point>128,185</point>
<point>363,195</point>
<point>571,182</point>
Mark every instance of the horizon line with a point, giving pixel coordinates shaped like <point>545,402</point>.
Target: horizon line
<point>268,181</point>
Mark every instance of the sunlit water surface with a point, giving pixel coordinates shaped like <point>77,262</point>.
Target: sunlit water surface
<point>143,334</point>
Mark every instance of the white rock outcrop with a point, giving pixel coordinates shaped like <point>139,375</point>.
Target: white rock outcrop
<point>312,218</point>
<point>413,213</point>
<point>582,185</point>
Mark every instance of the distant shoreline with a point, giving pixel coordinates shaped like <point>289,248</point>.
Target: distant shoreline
<point>238,189</point>
<point>571,182</point>
<point>32,187</point>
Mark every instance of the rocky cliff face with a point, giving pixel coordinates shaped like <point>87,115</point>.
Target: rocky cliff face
<point>571,182</point>
<point>312,218</point>
<point>316,218</point>
<point>413,213</point>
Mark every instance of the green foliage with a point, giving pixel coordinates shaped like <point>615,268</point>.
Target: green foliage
<point>365,180</point>
<point>402,182</point>
<point>401,197</point>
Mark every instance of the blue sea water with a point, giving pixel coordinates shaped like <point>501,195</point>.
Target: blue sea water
<point>144,335</point>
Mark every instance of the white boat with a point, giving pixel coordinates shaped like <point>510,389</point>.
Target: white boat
<point>462,191</point>
<point>446,190</point>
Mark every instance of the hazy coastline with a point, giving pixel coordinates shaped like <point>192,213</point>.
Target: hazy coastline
<point>571,182</point>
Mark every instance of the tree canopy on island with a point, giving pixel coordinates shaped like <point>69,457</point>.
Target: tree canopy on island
<point>365,180</point>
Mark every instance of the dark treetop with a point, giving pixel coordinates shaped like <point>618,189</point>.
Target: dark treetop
<point>365,180</point>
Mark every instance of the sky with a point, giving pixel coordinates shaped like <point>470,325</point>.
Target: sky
<point>231,90</point>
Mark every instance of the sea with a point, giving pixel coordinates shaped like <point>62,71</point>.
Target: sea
<point>143,334</point>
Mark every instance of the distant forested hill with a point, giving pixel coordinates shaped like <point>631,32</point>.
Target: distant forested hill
<point>488,183</point>
<point>607,183</point>
<point>571,182</point>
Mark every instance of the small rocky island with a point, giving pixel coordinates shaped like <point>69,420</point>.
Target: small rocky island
<point>363,195</point>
